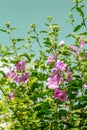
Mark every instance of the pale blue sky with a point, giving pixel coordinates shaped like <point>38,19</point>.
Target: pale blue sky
<point>23,12</point>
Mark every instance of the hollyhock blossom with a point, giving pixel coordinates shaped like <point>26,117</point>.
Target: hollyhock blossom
<point>20,65</point>
<point>59,94</point>
<point>50,59</point>
<point>86,55</point>
<point>63,97</point>
<point>11,96</point>
<point>78,52</point>
<point>12,74</point>
<point>22,78</point>
<point>60,65</point>
<point>69,78</point>
<point>62,42</point>
<point>73,48</point>
<point>82,43</point>
<point>85,85</point>
<point>54,81</point>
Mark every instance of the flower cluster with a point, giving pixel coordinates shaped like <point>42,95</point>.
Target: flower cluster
<point>56,79</point>
<point>50,59</point>
<point>17,74</point>
<point>57,75</point>
<point>59,94</point>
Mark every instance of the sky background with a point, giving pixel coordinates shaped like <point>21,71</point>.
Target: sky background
<point>23,12</point>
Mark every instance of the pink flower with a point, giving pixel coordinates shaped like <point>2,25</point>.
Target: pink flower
<point>63,97</point>
<point>62,42</point>
<point>20,65</point>
<point>59,94</point>
<point>11,75</point>
<point>78,53</point>
<point>82,43</point>
<point>85,85</point>
<point>86,55</point>
<point>60,65</point>
<point>73,48</point>
<point>51,59</point>
<point>22,78</point>
<point>11,96</point>
<point>69,75</point>
<point>54,81</point>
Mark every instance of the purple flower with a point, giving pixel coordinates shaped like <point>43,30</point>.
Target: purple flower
<point>50,59</point>
<point>20,65</point>
<point>69,75</point>
<point>11,96</point>
<point>11,75</point>
<point>86,55</point>
<point>59,94</point>
<point>22,78</point>
<point>82,43</point>
<point>60,65</point>
<point>78,52</point>
<point>63,97</point>
<point>54,81</point>
<point>73,48</point>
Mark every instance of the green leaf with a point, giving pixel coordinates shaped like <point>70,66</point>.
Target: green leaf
<point>27,56</point>
<point>80,11</point>
<point>1,72</point>
<point>43,31</point>
<point>13,29</point>
<point>47,24</point>
<point>77,27</point>
<point>72,8</point>
<point>19,39</point>
<point>2,30</point>
<point>33,37</point>
<point>69,35</point>
<point>84,33</point>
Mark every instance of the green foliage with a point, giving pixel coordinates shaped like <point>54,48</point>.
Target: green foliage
<point>32,105</point>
